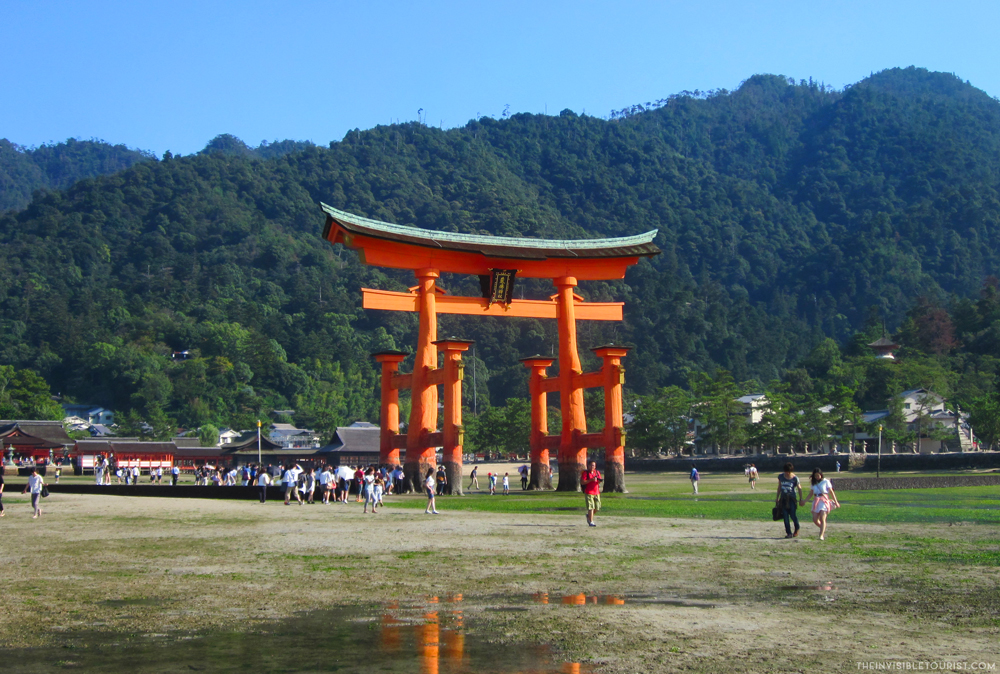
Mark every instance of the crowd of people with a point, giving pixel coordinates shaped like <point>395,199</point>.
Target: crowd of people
<point>108,470</point>
<point>370,484</point>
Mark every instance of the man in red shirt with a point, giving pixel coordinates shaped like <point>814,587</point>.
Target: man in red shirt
<point>591,480</point>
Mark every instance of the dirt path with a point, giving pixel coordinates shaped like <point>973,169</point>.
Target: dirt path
<point>717,595</point>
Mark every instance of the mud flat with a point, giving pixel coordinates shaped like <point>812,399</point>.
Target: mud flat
<point>634,594</point>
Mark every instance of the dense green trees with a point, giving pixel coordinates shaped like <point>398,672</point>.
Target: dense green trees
<point>823,398</point>
<point>25,395</point>
<point>786,212</point>
<point>24,170</point>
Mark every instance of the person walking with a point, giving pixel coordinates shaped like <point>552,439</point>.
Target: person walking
<point>506,484</point>
<point>359,483</point>
<point>325,479</point>
<point>752,472</point>
<point>429,486</point>
<point>785,499</point>
<point>310,486</point>
<point>397,477</point>
<point>824,500</point>
<point>369,488</point>
<point>35,485</point>
<point>523,470</point>
<point>694,477</point>
<point>290,480</point>
<point>590,481</point>
<point>263,480</point>
<point>474,478</point>
<point>493,483</point>
<point>442,481</point>
<point>378,488</point>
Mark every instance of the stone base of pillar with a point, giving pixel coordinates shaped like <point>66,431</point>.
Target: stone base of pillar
<point>414,475</point>
<point>614,478</point>
<point>541,477</point>
<point>453,470</point>
<point>569,476</point>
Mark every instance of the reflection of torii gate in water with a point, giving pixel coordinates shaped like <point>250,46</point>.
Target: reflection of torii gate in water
<point>428,254</point>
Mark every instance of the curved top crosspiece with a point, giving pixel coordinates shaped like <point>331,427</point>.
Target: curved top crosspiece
<point>387,245</point>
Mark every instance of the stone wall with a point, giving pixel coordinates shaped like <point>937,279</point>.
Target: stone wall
<point>949,461</point>
<point>734,464</point>
<point>162,490</point>
<point>804,463</point>
<point>915,482</point>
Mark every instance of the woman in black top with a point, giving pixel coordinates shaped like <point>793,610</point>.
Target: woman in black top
<point>788,482</point>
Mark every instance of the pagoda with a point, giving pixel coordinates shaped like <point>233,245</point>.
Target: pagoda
<point>884,348</point>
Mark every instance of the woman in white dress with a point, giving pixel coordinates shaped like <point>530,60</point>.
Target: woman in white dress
<point>824,500</point>
<point>430,486</point>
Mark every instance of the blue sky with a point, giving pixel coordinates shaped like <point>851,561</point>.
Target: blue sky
<point>171,76</point>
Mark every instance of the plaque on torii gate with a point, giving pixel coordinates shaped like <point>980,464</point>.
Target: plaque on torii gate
<point>429,253</point>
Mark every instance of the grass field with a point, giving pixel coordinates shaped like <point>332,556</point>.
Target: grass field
<point>728,497</point>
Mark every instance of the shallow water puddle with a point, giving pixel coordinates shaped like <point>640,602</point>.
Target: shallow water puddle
<point>583,599</point>
<point>823,587</point>
<point>428,637</point>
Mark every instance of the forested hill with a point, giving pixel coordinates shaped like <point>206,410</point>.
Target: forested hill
<point>57,166</point>
<point>786,212</point>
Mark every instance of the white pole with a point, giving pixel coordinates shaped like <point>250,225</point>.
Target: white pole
<point>878,466</point>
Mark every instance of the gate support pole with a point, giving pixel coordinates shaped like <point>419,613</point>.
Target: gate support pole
<point>541,474</point>
<point>452,431</point>
<point>614,431</point>
<point>389,412</point>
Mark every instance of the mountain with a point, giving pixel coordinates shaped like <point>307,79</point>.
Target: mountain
<point>229,144</point>
<point>787,213</point>
<point>22,170</point>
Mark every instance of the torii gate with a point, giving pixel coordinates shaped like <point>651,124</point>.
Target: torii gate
<point>429,253</point>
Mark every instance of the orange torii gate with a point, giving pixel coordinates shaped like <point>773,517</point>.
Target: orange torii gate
<point>429,253</point>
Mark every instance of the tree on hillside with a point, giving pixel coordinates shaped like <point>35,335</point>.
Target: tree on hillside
<point>660,421</point>
<point>845,414</point>
<point>718,410</point>
<point>25,395</point>
<point>504,430</point>
<point>984,417</point>
<point>928,328</point>
<point>208,435</point>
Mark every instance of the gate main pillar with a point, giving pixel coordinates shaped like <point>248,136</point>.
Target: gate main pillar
<point>572,456</point>
<point>423,401</point>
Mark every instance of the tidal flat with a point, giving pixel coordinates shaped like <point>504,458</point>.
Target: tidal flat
<point>657,586</point>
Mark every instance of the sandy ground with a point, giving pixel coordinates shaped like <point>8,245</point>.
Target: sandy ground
<point>207,564</point>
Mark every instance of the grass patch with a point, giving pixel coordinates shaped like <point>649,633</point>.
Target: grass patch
<point>727,497</point>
